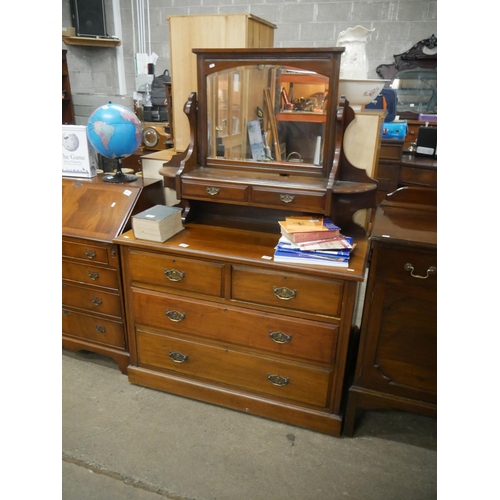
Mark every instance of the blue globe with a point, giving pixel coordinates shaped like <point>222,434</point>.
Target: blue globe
<point>114,131</point>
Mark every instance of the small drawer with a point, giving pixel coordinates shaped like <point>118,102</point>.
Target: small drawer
<point>299,383</point>
<point>175,273</point>
<point>391,151</point>
<point>397,267</point>
<point>287,290</point>
<point>88,252</point>
<point>92,299</point>
<point>289,199</point>
<point>91,275</point>
<point>272,333</point>
<point>214,191</point>
<point>93,328</point>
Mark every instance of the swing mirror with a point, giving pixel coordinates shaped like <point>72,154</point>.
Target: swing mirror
<point>266,112</point>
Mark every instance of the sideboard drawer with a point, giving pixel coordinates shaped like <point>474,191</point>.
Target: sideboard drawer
<point>91,275</point>
<point>272,333</point>
<point>299,383</point>
<point>417,176</point>
<point>176,273</point>
<point>397,266</point>
<point>287,290</point>
<point>290,199</point>
<point>93,328</point>
<point>92,299</point>
<point>85,251</point>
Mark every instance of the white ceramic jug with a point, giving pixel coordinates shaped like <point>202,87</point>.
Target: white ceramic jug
<point>354,64</point>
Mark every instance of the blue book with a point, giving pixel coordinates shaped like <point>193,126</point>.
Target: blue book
<point>298,257</point>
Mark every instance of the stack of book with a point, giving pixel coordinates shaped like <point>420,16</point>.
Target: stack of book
<point>318,241</point>
<point>158,223</point>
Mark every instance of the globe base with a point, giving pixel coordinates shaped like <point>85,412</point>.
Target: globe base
<point>119,177</point>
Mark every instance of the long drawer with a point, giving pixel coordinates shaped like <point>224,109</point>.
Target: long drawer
<point>299,383</point>
<point>176,274</point>
<point>92,299</point>
<point>90,275</point>
<point>293,337</point>
<point>95,328</point>
<point>287,290</point>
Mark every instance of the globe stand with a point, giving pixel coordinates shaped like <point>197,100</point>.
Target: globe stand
<point>120,176</point>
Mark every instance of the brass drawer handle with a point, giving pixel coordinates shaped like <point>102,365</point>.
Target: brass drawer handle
<point>212,191</point>
<point>93,275</point>
<point>175,316</point>
<point>173,274</point>
<point>100,329</point>
<point>90,253</point>
<point>287,198</point>
<point>430,270</point>
<point>177,357</point>
<point>284,293</point>
<point>97,301</point>
<point>278,380</point>
<point>280,337</point>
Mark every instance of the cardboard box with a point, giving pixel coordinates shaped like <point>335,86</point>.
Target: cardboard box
<point>79,158</point>
<point>68,31</point>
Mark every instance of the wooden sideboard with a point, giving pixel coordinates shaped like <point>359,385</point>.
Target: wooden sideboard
<point>93,213</point>
<point>397,359</point>
<point>212,317</point>
<point>397,168</point>
<point>418,171</point>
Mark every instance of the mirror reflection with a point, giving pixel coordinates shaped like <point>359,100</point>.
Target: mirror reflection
<point>266,113</point>
<point>416,90</point>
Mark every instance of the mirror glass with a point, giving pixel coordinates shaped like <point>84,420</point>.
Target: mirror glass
<point>416,91</point>
<point>266,113</point>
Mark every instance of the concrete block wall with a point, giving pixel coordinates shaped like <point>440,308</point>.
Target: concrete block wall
<point>300,23</point>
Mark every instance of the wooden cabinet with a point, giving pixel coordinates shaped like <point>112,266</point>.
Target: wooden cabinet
<point>397,359</point>
<point>397,168</point>
<point>212,317</point>
<point>389,164</point>
<point>68,115</point>
<point>419,171</point>
<point>95,212</point>
<point>213,31</point>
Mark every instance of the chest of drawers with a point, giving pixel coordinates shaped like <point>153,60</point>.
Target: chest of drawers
<point>94,213</point>
<point>397,360</point>
<point>210,316</point>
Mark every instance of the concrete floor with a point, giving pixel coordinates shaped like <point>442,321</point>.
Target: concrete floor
<point>122,441</point>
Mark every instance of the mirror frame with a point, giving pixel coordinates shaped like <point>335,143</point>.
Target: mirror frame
<point>324,61</point>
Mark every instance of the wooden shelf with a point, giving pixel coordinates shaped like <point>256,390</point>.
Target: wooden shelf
<point>300,116</point>
<point>91,41</point>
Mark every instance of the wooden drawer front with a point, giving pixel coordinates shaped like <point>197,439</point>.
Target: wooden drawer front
<point>291,200</point>
<point>300,383</point>
<point>87,252</point>
<point>93,328</point>
<point>92,300</point>
<point>184,274</point>
<point>389,151</point>
<point>91,275</point>
<point>214,192</point>
<point>418,176</point>
<point>392,263</point>
<point>296,338</point>
<point>310,294</point>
